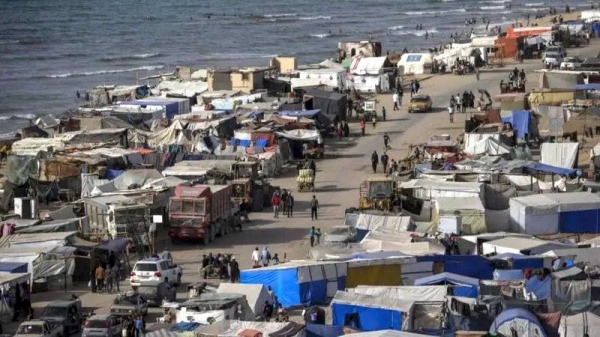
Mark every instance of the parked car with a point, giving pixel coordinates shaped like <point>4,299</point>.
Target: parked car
<point>39,328</point>
<point>66,314</point>
<point>560,50</point>
<point>341,234</point>
<point>102,325</point>
<point>570,63</point>
<point>154,270</point>
<point>157,292</point>
<point>553,60</point>
<point>420,103</point>
<point>129,304</point>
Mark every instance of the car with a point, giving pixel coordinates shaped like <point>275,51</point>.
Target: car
<point>570,63</point>
<point>340,234</point>
<point>560,50</point>
<point>66,314</point>
<point>129,303</point>
<point>553,60</point>
<point>102,325</point>
<point>420,103</point>
<point>157,292</point>
<point>39,328</point>
<point>153,270</point>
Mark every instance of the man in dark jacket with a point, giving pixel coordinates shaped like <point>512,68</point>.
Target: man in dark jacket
<point>234,272</point>
<point>374,161</point>
<point>384,162</point>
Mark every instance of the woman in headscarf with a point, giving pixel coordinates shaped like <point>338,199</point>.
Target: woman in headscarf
<point>265,256</point>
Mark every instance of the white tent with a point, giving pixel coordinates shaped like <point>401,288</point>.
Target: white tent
<point>410,293</point>
<point>256,294</point>
<point>578,324</point>
<point>367,65</point>
<point>489,146</point>
<point>330,77</point>
<point>520,245</point>
<point>369,83</point>
<point>470,209</point>
<point>395,222</point>
<point>559,154</point>
<point>415,63</point>
<point>590,15</point>
<point>432,189</point>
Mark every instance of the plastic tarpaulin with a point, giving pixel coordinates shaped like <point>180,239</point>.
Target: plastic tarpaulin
<point>116,245</point>
<point>489,146</point>
<point>463,286</point>
<point>519,120</point>
<point>256,294</point>
<point>368,313</point>
<point>536,289</point>
<point>411,293</point>
<point>522,320</point>
<point>319,330</point>
<point>302,135</point>
<point>509,274</point>
<point>559,154</point>
<point>579,324</point>
<point>377,275</point>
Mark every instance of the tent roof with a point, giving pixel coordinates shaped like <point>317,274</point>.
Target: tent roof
<point>13,278</point>
<point>455,204</point>
<point>416,293</point>
<point>551,169</point>
<point>386,333</point>
<point>520,243</point>
<point>255,293</point>
<point>521,313</point>
<point>447,277</point>
<point>562,202</point>
<point>343,297</point>
<point>116,245</point>
<point>367,65</point>
<point>443,185</point>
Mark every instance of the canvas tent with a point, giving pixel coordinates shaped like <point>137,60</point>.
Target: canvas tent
<point>427,189</point>
<point>571,289</point>
<point>330,103</point>
<point>581,323</point>
<point>559,154</point>
<point>487,146</point>
<point>235,328</point>
<point>302,135</point>
<point>416,64</point>
<point>414,293</point>
<point>335,78</point>
<point>470,210</point>
<point>256,294</point>
<point>525,246</point>
<point>300,283</point>
<point>550,213</point>
<point>525,323</point>
<point>461,285</point>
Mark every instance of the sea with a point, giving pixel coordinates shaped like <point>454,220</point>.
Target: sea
<point>50,50</point>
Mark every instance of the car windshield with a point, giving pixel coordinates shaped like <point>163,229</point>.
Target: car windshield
<point>33,329</point>
<point>145,267</point>
<point>96,324</point>
<point>419,99</point>
<point>55,312</point>
<point>380,189</point>
<point>552,55</point>
<point>128,300</point>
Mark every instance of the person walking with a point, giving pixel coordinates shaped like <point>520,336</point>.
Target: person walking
<point>412,88</point>
<point>139,326</point>
<point>234,270</point>
<point>363,125</point>
<point>265,256</point>
<point>108,275</point>
<point>458,100</point>
<point>311,236</point>
<point>268,311</point>
<point>290,205</point>
<point>100,277</point>
<point>374,161</point>
<point>256,258</point>
<point>400,94</point>
<point>395,98</point>
<point>318,236</point>
<point>383,113</point>
<point>275,202</point>
<point>386,141</point>
<point>451,113</point>
<point>477,73</point>
<point>384,162</point>
<point>314,207</point>
<point>417,86</point>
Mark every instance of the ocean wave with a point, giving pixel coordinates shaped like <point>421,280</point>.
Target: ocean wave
<point>101,72</point>
<point>459,10</point>
<point>318,17</point>
<point>10,42</point>
<point>30,42</point>
<point>496,1</point>
<point>44,57</point>
<point>416,32</point>
<point>282,15</point>
<point>23,116</point>
<point>236,56</point>
<point>320,36</point>
<point>396,27</point>
<point>535,4</point>
<point>492,7</point>
<point>129,57</point>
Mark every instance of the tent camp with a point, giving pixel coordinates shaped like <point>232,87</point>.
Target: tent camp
<point>413,293</point>
<point>470,210</point>
<point>236,328</point>
<point>301,282</point>
<point>578,324</point>
<point>330,103</point>
<point>427,189</point>
<point>369,313</point>
<point>551,213</point>
<point>461,285</point>
<point>525,323</point>
<point>256,294</point>
<point>335,78</point>
<point>487,146</point>
<point>416,64</point>
<point>559,154</point>
<point>525,246</point>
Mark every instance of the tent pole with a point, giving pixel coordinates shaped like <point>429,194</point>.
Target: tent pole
<point>552,182</point>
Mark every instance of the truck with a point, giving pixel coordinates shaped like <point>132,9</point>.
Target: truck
<point>200,212</point>
<point>67,315</point>
<point>117,216</point>
<point>39,328</point>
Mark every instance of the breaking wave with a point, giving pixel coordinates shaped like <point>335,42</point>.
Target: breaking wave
<point>396,27</point>
<point>492,7</point>
<point>320,36</point>
<point>100,72</point>
<point>319,17</point>
<point>23,116</point>
<point>535,4</point>
<point>459,10</point>
<point>416,32</point>
<point>283,15</point>
<point>235,56</point>
<point>129,57</point>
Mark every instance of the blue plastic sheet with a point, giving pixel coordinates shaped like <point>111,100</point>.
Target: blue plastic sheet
<point>112,174</point>
<point>320,330</point>
<point>519,120</point>
<point>540,288</point>
<point>369,319</point>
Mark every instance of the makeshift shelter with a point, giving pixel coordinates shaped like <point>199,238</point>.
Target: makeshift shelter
<point>581,323</point>
<point>460,285</point>
<point>576,212</point>
<point>473,266</point>
<point>559,154</point>
<point>321,330</point>
<point>256,294</point>
<point>523,261</point>
<point>415,63</point>
<point>235,328</point>
<point>487,146</point>
<point>427,189</point>
<point>571,289</point>
<point>468,212</point>
<point>300,283</point>
<point>522,320</point>
<point>588,257</point>
<point>517,245</point>
<point>330,103</point>
<point>369,83</point>
<point>434,293</point>
<point>369,313</point>
<point>335,78</point>
<point>376,270</point>
<point>560,79</point>
<point>387,333</point>
<point>522,122</point>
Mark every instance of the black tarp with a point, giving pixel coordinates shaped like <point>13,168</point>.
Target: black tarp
<point>330,103</point>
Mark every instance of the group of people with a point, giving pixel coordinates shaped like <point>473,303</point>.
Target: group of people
<point>223,266</point>
<point>385,159</point>
<point>460,103</point>
<point>133,326</point>
<point>263,257</point>
<point>516,82</point>
<point>106,276</point>
<point>314,236</point>
<point>283,199</point>
<point>272,306</point>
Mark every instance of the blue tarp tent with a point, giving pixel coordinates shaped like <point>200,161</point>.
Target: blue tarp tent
<point>463,286</point>
<point>368,313</point>
<point>474,266</point>
<point>539,167</point>
<point>522,261</point>
<point>13,267</point>
<point>590,86</point>
<point>508,274</point>
<point>519,120</point>
<point>526,323</point>
<point>301,283</point>
<point>540,289</point>
<point>320,330</point>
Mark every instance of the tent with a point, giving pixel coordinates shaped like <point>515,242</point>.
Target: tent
<point>369,83</point>
<point>256,294</point>
<point>369,313</point>
<point>315,114</point>
<point>470,210</point>
<point>590,257</point>
<point>520,261</point>
<point>413,293</point>
<point>525,246</point>
<point>427,189</point>
<point>521,120</point>
<point>559,154</point>
<point>571,289</point>
<point>416,64</point>
<point>368,65</point>
<point>320,330</point>
<point>383,271</point>
<point>302,135</point>
<point>487,146</point>
<point>523,320</point>
<point>386,333</point>
<point>233,328</point>
<point>473,266</point>
<point>578,324</point>
<point>330,103</point>
<point>462,285</point>
<point>335,78</point>
<point>577,212</point>
<point>300,283</point>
